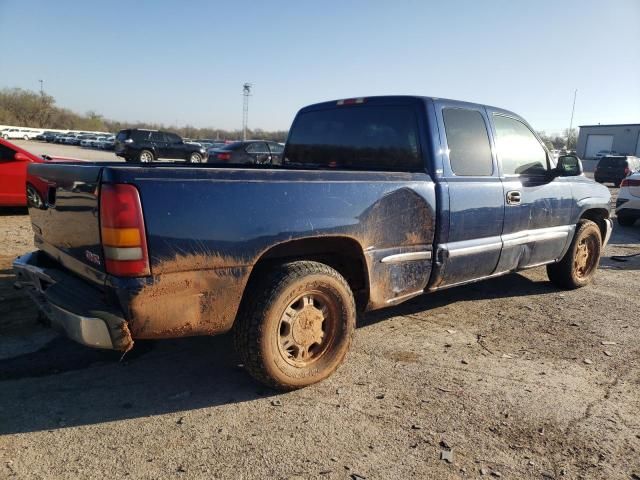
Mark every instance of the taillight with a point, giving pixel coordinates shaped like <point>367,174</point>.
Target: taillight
<point>223,156</point>
<point>630,182</point>
<point>122,228</point>
<point>350,101</point>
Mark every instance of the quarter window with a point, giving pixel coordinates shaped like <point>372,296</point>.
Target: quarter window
<point>518,149</point>
<point>468,141</point>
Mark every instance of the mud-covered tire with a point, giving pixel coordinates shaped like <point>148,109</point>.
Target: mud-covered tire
<point>295,304</point>
<point>625,221</point>
<point>578,266</point>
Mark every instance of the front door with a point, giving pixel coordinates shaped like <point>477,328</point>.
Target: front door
<point>537,204</point>
<point>12,178</point>
<point>471,248</point>
<point>161,145</point>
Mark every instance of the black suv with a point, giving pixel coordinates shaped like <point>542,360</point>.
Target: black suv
<point>614,168</point>
<point>137,145</point>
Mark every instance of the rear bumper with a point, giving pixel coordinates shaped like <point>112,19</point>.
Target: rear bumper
<point>72,306</point>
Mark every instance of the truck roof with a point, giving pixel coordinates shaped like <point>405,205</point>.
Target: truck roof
<point>399,99</point>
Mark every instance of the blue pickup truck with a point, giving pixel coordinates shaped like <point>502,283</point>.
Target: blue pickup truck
<point>377,200</point>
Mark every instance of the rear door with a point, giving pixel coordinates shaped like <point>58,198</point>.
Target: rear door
<point>161,145</point>
<point>538,205</point>
<point>476,203</point>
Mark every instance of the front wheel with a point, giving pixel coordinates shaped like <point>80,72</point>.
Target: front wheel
<point>579,264</point>
<point>298,328</point>
<point>26,137</point>
<point>195,157</point>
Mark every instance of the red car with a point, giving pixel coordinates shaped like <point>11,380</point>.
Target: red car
<point>13,175</point>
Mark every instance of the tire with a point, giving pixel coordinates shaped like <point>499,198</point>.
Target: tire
<point>579,264</point>
<point>625,221</point>
<point>194,157</point>
<point>297,329</point>
<point>145,156</point>
<point>33,197</point>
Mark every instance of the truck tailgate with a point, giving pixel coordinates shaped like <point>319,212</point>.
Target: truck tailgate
<point>66,223</point>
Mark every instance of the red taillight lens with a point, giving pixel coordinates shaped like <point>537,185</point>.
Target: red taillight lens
<point>124,241</point>
<point>223,156</point>
<point>630,182</point>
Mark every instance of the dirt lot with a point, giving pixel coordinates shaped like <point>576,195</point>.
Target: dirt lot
<point>520,379</point>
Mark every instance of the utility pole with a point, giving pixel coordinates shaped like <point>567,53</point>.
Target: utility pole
<point>573,109</point>
<point>246,93</point>
<point>41,88</point>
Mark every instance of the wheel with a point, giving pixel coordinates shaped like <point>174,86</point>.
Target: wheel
<point>195,157</point>
<point>33,197</point>
<point>26,137</point>
<point>579,264</point>
<point>6,137</point>
<point>298,328</point>
<point>145,156</point>
<point>625,221</point>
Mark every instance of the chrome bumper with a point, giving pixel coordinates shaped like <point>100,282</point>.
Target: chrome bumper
<point>90,331</point>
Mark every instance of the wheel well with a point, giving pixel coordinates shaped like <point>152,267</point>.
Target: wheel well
<point>341,253</point>
<point>597,215</point>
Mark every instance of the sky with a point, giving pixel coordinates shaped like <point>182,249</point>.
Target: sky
<point>184,62</point>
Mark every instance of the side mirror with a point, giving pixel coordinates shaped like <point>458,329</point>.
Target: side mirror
<point>21,157</point>
<point>569,166</point>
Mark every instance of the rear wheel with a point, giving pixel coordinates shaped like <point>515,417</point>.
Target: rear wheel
<point>145,156</point>
<point>298,329</point>
<point>625,221</point>
<point>195,157</point>
<point>579,264</point>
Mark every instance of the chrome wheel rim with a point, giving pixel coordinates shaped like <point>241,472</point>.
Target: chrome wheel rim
<point>307,328</point>
<point>33,197</point>
<point>145,157</point>
<point>195,158</point>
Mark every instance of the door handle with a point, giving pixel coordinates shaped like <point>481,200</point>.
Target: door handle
<point>513,197</point>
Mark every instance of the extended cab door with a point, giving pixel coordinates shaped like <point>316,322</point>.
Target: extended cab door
<point>538,204</point>
<point>473,219</point>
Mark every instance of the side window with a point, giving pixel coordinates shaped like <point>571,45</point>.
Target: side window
<point>157,137</point>
<point>518,149</point>
<point>139,135</point>
<point>468,140</point>
<point>257,147</point>
<point>6,154</point>
<point>173,138</point>
<point>276,148</point>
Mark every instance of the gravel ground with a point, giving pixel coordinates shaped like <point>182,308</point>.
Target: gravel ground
<point>516,378</point>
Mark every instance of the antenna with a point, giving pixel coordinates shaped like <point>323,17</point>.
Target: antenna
<point>246,93</point>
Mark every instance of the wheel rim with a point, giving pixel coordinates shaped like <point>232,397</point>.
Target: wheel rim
<point>195,158</point>
<point>33,197</point>
<point>307,328</point>
<point>586,256</point>
<point>145,157</point>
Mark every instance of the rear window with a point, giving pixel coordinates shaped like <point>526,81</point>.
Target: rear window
<point>615,162</point>
<point>123,135</point>
<point>369,137</point>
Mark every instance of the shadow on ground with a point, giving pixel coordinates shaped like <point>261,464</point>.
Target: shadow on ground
<point>65,384</point>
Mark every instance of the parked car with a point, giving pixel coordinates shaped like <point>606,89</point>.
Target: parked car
<point>377,200</point>
<point>17,133</point>
<point>51,136</point>
<point>43,136</point>
<point>251,152</point>
<point>628,202</point>
<point>14,188</point>
<point>87,141</point>
<point>614,168</point>
<point>145,146</point>
<point>106,143</point>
